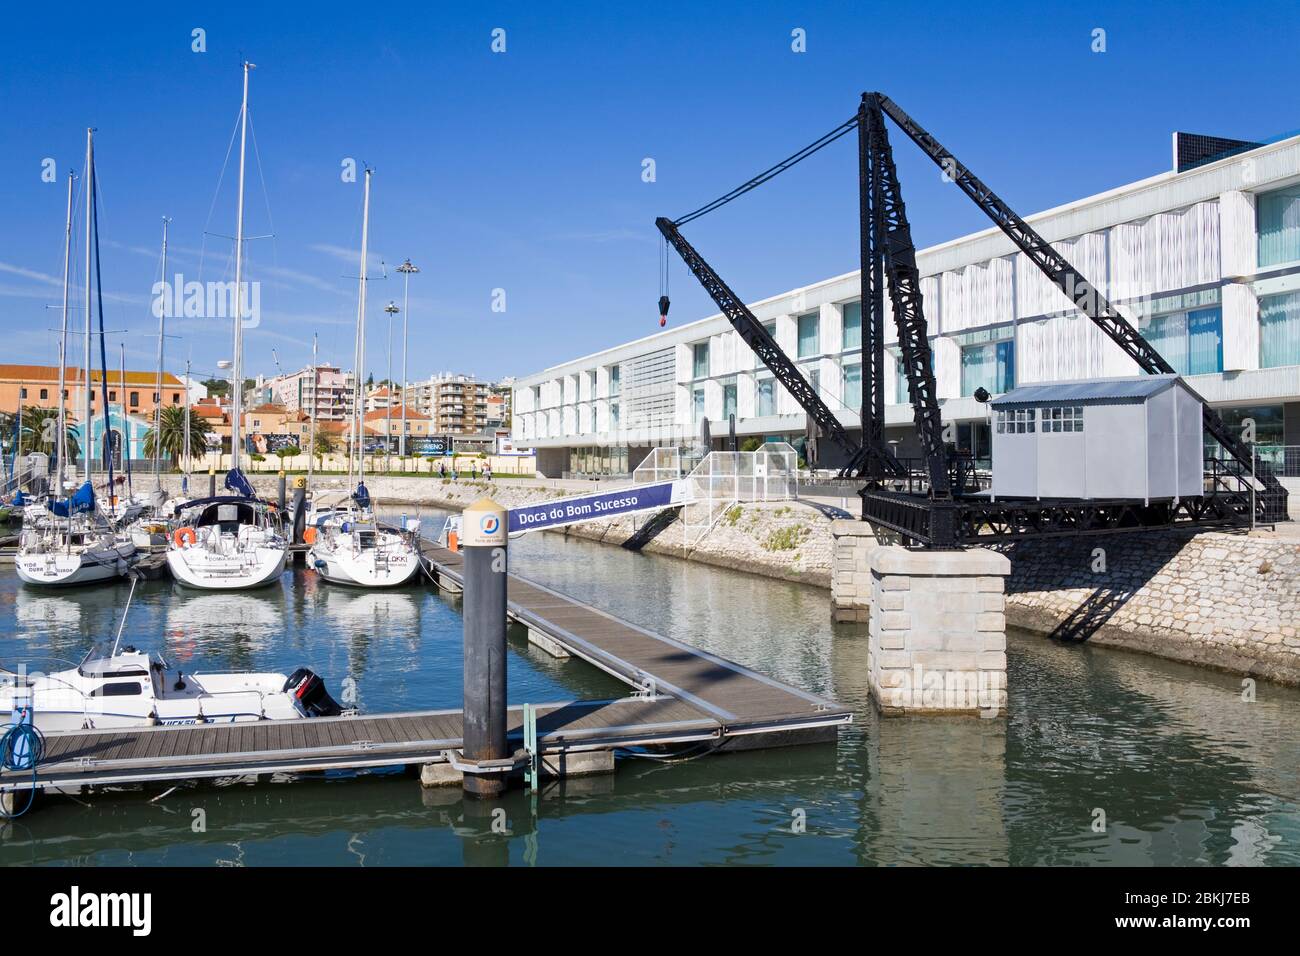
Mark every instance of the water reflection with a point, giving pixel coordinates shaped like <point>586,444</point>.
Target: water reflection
<point>1186,771</point>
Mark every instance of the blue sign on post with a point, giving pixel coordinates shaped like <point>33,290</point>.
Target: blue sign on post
<point>610,504</point>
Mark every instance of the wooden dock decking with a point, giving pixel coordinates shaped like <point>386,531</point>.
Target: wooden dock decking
<point>739,698</point>
<point>683,696</point>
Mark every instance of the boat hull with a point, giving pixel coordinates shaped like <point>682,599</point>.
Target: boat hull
<point>363,570</point>
<point>69,569</point>
<point>198,568</point>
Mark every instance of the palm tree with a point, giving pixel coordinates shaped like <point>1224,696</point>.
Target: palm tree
<point>40,431</point>
<point>172,428</point>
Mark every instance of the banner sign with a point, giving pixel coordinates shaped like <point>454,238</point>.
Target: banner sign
<point>609,504</point>
<point>423,447</point>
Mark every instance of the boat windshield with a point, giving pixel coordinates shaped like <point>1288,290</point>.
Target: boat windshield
<point>100,660</point>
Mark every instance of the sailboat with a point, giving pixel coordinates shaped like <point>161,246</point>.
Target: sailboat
<point>73,543</point>
<point>348,545</point>
<point>234,541</point>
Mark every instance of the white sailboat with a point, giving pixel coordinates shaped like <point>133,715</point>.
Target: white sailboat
<point>69,543</point>
<point>230,542</point>
<point>348,545</point>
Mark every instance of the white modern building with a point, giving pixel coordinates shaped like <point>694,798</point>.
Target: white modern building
<point>1206,262</point>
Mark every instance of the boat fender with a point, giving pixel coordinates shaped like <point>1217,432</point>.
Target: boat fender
<point>182,537</point>
<point>309,536</point>
<point>180,681</point>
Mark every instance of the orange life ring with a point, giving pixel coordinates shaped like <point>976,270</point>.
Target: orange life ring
<point>309,535</point>
<point>183,536</point>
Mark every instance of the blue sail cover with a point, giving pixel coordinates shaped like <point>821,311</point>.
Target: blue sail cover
<point>361,496</point>
<point>82,500</point>
<point>237,483</point>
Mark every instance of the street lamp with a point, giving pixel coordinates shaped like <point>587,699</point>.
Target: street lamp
<point>407,269</point>
<point>392,310</point>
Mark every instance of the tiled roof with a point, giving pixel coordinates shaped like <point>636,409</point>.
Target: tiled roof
<point>50,373</point>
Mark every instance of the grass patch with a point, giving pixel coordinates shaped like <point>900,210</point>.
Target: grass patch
<point>732,514</point>
<point>786,539</point>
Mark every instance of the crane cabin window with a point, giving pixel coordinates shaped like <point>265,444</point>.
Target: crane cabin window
<point>1016,421</point>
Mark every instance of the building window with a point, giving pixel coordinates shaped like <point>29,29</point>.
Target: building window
<point>852,326</point>
<point>22,393</point>
<point>613,416</point>
<point>697,405</point>
<point>701,364</point>
<point>1279,330</point>
<point>615,383</point>
<point>1192,342</point>
<point>729,400</point>
<point>770,328</point>
<point>900,382</point>
<point>765,398</point>
<point>112,396</point>
<point>853,386</point>
<point>176,398</point>
<point>808,334</point>
<point>593,419</point>
<point>45,393</point>
<point>135,399</point>
<point>1278,216</point>
<point>991,366</point>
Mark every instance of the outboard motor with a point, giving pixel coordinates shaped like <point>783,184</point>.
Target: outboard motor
<point>309,694</point>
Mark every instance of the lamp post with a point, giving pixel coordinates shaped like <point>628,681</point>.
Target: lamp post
<point>407,269</point>
<point>392,310</point>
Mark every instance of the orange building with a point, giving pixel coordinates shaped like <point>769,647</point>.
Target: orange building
<point>39,384</point>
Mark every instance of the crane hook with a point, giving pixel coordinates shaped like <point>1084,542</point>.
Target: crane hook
<point>663,310</point>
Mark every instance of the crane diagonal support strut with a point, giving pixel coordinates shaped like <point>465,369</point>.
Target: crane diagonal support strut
<point>763,345</point>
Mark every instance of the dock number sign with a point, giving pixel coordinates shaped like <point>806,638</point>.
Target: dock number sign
<point>610,504</point>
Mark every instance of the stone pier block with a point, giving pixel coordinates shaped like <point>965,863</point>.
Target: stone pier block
<point>938,639</point>
<point>853,542</point>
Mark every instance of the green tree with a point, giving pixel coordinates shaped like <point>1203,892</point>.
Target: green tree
<point>40,431</point>
<point>172,443</point>
<point>217,387</point>
<point>325,445</point>
<point>290,452</point>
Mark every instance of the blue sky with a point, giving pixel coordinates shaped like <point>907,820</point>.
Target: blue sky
<point>522,171</point>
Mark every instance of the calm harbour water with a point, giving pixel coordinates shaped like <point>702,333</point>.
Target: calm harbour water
<point>1186,772</point>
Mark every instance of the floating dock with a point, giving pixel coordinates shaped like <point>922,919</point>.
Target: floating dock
<point>682,696</point>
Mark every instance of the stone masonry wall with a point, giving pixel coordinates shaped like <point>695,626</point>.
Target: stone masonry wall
<point>1227,600</point>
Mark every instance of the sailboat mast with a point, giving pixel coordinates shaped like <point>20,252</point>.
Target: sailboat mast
<point>237,365</point>
<point>126,430</point>
<point>359,438</point>
<point>185,481</point>
<point>61,440</point>
<point>85,366</point>
<point>162,331</point>
<point>315,386</point>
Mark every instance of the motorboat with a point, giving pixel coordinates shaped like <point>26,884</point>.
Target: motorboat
<point>130,688</point>
<point>227,542</point>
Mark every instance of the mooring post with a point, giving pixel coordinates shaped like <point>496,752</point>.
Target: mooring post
<point>483,537</point>
<point>282,491</point>
<point>299,508</point>
<point>212,481</point>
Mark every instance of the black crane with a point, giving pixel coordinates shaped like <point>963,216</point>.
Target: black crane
<point>947,517</point>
